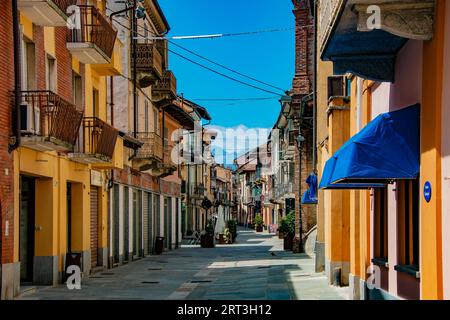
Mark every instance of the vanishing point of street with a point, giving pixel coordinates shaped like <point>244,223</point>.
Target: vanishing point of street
<point>254,268</point>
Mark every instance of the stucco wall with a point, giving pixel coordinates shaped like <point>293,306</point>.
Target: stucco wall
<point>405,91</point>
<point>446,161</point>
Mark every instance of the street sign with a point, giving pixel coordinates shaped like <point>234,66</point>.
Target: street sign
<point>427,191</point>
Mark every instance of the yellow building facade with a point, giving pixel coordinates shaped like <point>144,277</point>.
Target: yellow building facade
<point>67,146</point>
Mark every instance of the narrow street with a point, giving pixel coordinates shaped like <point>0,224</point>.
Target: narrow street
<point>253,268</point>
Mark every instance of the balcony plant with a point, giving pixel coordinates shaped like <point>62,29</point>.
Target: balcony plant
<point>259,222</point>
<point>207,236</point>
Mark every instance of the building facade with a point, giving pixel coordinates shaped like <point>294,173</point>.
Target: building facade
<point>393,227</point>
<point>91,127</point>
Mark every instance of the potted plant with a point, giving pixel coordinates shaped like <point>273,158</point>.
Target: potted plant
<point>283,228</point>
<point>232,226</point>
<point>259,223</point>
<point>228,237</point>
<point>288,240</point>
<point>207,236</point>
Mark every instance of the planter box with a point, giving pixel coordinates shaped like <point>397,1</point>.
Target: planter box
<point>280,235</point>
<point>259,228</point>
<point>207,241</point>
<point>222,239</point>
<point>288,243</point>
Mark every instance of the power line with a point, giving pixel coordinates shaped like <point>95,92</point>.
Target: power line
<point>234,99</point>
<point>229,69</point>
<point>207,68</point>
<point>222,74</point>
<point>221,35</point>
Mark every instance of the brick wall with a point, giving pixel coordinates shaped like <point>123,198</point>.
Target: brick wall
<point>304,45</point>
<point>302,85</point>
<point>6,159</point>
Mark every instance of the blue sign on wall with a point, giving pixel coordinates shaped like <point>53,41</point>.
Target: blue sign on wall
<point>427,191</point>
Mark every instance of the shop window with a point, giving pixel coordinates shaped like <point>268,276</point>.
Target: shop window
<point>408,226</point>
<point>381,225</point>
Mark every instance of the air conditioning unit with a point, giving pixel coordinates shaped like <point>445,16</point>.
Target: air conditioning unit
<point>30,118</point>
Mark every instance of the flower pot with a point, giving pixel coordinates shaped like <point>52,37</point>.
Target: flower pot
<point>222,239</point>
<point>280,235</point>
<point>207,241</point>
<point>259,228</point>
<point>288,242</point>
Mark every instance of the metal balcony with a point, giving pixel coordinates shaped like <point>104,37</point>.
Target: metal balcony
<point>48,122</point>
<point>96,142</point>
<point>148,64</point>
<point>94,42</point>
<point>165,90</point>
<point>150,154</point>
<point>46,13</point>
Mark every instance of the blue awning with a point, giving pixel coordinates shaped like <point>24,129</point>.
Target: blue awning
<point>325,182</point>
<point>386,149</point>
<point>310,195</point>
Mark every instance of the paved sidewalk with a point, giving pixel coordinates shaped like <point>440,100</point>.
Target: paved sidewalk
<point>255,267</point>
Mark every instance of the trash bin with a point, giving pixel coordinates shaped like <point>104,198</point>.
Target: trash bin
<point>159,245</point>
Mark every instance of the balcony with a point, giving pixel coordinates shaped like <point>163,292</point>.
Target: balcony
<point>148,64</point>
<point>94,42</point>
<point>198,191</point>
<point>349,39</point>
<point>150,155</point>
<point>285,190</point>
<point>46,13</point>
<point>96,142</point>
<point>48,122</point>
<point>164,91</point>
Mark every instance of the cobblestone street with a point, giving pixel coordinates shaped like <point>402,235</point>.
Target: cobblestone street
<point>255,267</point>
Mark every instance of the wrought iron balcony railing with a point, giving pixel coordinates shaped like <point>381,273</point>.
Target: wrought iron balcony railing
<point>96,142</point>
<point>93,42</point>
<point>166,88</point>
<point>149,64</point>
<point>152,148</point>
<point>48,122</point>
<point>46,13</point>
<point>283,190</point>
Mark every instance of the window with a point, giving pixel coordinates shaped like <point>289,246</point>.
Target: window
<point>380,225</point>
<point>146,120</point>
<point>335,86</point>
<point>77,89</point>
<point>155,120</point>
<point>51,74</point>
<point>408,223</point>
<point>166,137</point>
<point>348,87</point>
<point>95,103</point>
<point>29,66</point>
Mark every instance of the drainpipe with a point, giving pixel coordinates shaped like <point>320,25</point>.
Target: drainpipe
<point>111,81</point>
<point>315,61</point>
<point>133,52</point>
<point>17,76</point>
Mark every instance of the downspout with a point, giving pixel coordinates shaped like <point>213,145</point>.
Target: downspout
<point>111,81</point>
<point>17,76</point>
<point>133,54</point>
<point>315,61</point>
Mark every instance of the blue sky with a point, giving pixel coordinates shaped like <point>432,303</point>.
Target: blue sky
<point>268,57</point>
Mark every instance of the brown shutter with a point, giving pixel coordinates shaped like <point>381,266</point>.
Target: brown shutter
<point>94,227</point>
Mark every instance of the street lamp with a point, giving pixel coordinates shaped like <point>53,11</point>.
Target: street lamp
<point>286,105</point>
<point>286,110</point>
